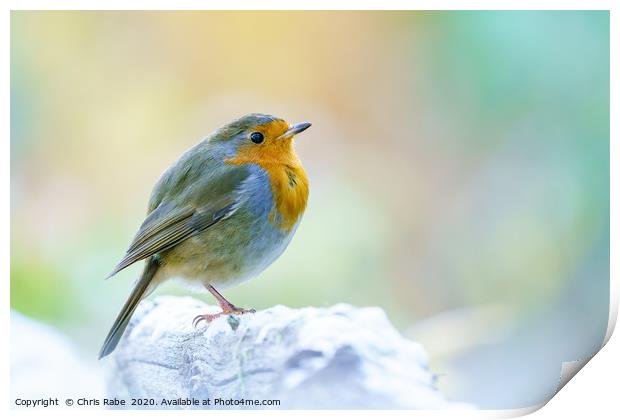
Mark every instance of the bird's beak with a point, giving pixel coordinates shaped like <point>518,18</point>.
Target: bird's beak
<point>295,129</point>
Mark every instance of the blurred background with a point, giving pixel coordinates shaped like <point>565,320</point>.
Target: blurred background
<point>459,167</point>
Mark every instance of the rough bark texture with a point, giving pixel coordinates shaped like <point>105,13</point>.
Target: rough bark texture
<point>337,357</point>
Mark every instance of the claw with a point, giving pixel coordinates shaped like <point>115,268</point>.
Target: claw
<point>206,317</point>
<point>197,320</point>
<point>210,317</point>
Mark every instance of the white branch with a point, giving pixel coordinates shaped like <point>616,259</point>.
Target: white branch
<point>338,357</point>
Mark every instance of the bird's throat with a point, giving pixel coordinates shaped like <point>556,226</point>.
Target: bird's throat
<point>288,179</point>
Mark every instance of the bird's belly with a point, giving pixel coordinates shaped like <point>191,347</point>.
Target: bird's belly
<point>232,251</point>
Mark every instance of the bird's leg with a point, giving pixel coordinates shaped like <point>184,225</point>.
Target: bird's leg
<point>227,308</point>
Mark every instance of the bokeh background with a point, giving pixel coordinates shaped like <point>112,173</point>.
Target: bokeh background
<point>459,166</point>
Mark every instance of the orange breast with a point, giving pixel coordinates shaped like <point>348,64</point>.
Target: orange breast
<point>289,185</point>
<point>289,182</point>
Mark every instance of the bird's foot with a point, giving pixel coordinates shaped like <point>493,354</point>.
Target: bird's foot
<point>232,310</point>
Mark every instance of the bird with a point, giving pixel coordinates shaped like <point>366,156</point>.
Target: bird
<point>219,215</point>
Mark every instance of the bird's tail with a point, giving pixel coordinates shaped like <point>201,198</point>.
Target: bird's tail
<point>139,291</point>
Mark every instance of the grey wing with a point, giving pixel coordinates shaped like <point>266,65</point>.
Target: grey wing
<point>175,228</point>
<point>168,225</point>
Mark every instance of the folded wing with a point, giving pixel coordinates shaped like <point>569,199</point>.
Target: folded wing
<point>168,225</point>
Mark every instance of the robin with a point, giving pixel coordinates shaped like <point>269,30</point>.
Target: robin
<point>220,215</point>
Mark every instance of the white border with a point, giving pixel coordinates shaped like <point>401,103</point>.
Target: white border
<point>595,389</point>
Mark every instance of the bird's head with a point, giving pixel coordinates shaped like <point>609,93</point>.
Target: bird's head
<point>259,138</point>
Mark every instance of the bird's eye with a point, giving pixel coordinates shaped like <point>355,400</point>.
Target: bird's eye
<point>257,137</point>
